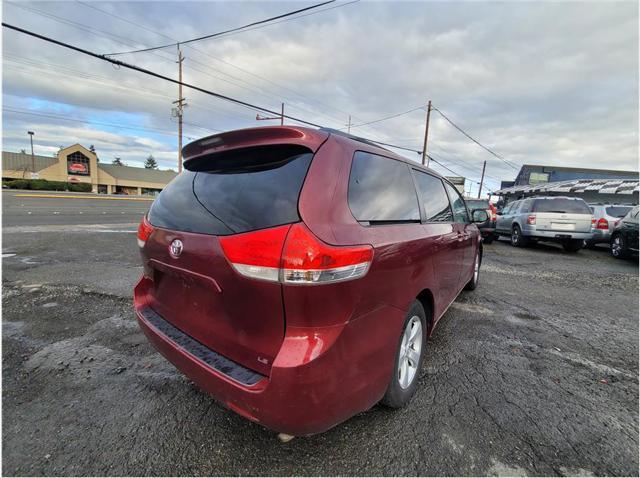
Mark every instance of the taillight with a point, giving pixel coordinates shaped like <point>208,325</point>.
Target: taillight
<point>531,219</point>
<point>144,231</point>
<point>602,223</point>
<point>294,255</point>
<point>256,254</point>
<point>307,260</point>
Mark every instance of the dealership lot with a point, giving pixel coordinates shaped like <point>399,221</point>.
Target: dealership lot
<point>534,373</point>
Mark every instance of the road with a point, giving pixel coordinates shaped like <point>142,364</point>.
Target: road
<point>534,373</point>
<point>20,209</point>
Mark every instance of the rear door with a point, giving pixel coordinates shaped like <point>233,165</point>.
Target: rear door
<point>439,225</point>
<point>562,215</point>
<point>197,290</point>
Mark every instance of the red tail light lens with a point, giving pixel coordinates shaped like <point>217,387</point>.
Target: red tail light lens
<point>531,219</point>
<point>602,224</point>
<point>307,260</point>
<point>292,254</point>
<point>144,231</point>
<point>256,254</point>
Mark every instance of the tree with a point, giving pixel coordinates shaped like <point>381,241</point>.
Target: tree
<point>117,161</point>
<point>92,148</point>
<point>151,163</point>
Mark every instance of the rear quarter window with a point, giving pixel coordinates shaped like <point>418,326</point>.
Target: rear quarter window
<point>381,190</point>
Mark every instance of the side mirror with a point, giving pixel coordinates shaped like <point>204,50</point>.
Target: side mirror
<point>499,213</point>
<point>479,215</point>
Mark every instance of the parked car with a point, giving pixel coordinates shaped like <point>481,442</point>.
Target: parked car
<point>605,217</point>
<point>565,220</point>
<point>624,238</point>
<point>296,274</point>
<point>487,228</point>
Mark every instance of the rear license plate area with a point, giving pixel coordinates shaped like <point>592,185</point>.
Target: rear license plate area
<point>559,226</point>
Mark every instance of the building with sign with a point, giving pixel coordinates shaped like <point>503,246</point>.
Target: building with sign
<point>531,174</point>
<point>76,164</point>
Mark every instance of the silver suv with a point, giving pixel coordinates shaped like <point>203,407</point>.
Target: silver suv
<point>560,219</point>
<point>606,216</point>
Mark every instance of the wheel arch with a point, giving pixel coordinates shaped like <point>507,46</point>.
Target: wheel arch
<point>425,297</point>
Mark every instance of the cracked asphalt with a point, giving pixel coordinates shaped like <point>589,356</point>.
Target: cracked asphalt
<point>534,373</point>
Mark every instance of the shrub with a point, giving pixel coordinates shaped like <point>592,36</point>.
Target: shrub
<point>44,185</point>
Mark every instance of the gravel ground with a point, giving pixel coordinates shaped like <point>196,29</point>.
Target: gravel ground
<point>534,373</point>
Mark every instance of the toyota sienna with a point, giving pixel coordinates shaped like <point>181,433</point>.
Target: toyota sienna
<point>295,274</point>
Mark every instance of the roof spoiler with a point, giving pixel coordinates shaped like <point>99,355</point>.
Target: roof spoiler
<point>250,137</point>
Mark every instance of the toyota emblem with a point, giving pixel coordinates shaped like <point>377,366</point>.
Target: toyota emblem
<point>175,248</point>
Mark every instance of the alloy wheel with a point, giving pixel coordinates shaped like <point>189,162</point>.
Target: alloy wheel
<point>616,246</point>
<point>410,352</point>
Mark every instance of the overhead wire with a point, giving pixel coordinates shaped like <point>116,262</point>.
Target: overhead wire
<point>506,161</point>
<point>213,35</point>
<point>166,78</point>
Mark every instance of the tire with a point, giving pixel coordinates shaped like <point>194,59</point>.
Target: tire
<point>618,247</point>
<point>517,239</point>
<point>573,245</point>
<point>402,387</point>
<point>489,239</point>
<point>473,283</point>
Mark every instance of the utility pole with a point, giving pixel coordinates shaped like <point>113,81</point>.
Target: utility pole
<point>484,166</point>
<point>426,135</point>
<point>180,104</point>
<point>349,125</point>
<point>281,117</point>
<point>33,158</point>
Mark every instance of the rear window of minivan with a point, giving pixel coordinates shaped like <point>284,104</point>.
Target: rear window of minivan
<point>240,193</point>
<point>561,206</point>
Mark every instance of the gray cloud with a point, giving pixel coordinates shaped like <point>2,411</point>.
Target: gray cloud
<point>540,82</point>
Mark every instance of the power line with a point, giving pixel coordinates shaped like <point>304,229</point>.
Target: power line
<point>166,78</point>
<point>506,161</point>
<point>387,117</point>
<point>207,54</point>
<point>213,35</point>
<point>431,158</point>
<point>255,75</point>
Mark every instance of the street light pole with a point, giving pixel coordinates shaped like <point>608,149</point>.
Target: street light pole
<point>33,158</point>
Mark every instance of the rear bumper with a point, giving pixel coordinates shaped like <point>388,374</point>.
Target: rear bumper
<point>600,235</point>
<point>532,232</point>
<point>319,378</point>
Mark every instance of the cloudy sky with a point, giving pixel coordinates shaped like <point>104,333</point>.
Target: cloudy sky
<point>540,82</point>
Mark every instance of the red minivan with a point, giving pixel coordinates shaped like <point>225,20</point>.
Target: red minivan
<point>296,274</point>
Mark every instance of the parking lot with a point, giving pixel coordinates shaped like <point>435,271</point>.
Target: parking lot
<point>534,373</point>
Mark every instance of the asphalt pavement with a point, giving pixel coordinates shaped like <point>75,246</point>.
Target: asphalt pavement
<point>533,373</point>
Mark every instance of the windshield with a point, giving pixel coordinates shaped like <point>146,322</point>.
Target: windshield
<point>476,204</point>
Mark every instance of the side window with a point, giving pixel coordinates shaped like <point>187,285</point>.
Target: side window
<point>457,204</point>
<point>434,197</point>
<point>382,190</point>
<point>514,207</point>
<point>526,205</point>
